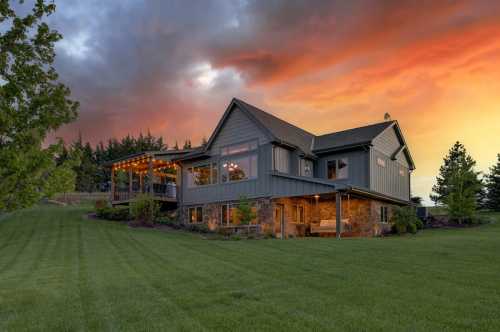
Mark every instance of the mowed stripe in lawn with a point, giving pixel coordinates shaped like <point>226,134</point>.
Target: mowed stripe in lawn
<point>60,271</point>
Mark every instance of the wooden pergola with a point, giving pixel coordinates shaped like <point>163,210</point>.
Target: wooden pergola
<point>153,173</point>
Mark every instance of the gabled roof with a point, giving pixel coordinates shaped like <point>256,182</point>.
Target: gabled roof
<point>351,137</point>
<point>280,130</point>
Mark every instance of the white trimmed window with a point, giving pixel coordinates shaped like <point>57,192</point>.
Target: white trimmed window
<point>239,148</point>
<point>338,169</point>
<point>239,168</point>
<point>202,175</point>
<point>229,214</point>
<point>384,214</point>
<point>380,162</point>
<point>306,167</point>
<point>195,214</point>
<point>298,214</point>
<point>281,159</point>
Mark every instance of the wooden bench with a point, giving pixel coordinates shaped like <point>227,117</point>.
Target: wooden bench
<point>330,226</point>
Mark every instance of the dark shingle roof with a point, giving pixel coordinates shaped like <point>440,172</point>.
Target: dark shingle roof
<point>350,137</point>
<point>280,129</point>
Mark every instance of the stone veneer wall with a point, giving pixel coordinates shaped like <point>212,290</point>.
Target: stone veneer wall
<point>363,214</point>
<point>212,214</point>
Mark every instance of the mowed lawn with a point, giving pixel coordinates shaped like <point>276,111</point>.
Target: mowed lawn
<point>60,271</point>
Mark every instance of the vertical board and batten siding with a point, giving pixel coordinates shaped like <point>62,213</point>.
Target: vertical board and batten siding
<point>387,180</point>
<point>359,170</point>
<point>289,187</point>
<point>388,142</point>
<point>237,128</point>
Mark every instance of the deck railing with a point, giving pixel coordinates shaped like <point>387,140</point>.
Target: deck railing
<point>159,191</point>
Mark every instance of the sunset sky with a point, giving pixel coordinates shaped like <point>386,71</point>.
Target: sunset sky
<point>173,66</point>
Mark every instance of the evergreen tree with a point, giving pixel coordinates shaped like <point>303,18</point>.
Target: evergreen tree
<point>493,187</point>
<point>187,144</point>
<point>204,141</point>
<point>32,104</point>
<point>457,184</point>
<point>176,146</point>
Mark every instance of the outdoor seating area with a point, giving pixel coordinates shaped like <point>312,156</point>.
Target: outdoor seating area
<point>153,173</point>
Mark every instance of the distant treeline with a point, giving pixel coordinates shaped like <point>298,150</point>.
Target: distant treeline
<point>91,175</point>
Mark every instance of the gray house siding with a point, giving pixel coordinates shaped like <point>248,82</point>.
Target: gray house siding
<point>359,171</point>
<point>283,186</point>
<point>388,142</point>
<point>237,128</point>
<point>387,180</point>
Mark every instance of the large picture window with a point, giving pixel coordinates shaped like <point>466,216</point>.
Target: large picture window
<point>195,214</point>
<point>240,168</point>
<point>202,175</point>
<point>239,148</point>
<point>281,159</point>
<point>338,169</point>
<point>230,215</point>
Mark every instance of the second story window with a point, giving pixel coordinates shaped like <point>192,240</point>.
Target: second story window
<point>306,167</point>
<point>281,159</point>
<point>338,169</point>
<point>238,148</point>
<point>239,168</point>
<point>202,175</point>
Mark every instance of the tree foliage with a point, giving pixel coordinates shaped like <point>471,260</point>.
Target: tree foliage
<point>245,211</point>
<point>493,187</point>
<point>32,104</point>
<point>91,174</point>
<point>458,184</point>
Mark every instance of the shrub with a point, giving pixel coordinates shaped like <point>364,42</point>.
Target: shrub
<point>145,210</point>
<point>169,221</point>
<point>101,203</point>
<point>198,228</point>
<point>405,220</point>
<point>419,223</point>
<point>118,213</point>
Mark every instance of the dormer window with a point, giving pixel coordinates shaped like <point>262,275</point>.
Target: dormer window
<point>306,167</point>
<point>338,169</point>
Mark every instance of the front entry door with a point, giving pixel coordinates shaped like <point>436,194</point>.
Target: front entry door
<point>279,221</point>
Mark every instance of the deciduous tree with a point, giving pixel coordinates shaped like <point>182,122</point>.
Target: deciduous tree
<point>32,104</point>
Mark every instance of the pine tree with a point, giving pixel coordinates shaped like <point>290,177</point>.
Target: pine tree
<point>457,185</point>
<point>187,144</point>
<point>493,187</point>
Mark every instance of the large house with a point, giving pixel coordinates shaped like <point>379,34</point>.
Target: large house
<point>298,183</point>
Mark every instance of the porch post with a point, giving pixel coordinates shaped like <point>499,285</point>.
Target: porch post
<point>141,184</point>
<point>130,182</point>
<point>150,175</point>
<point>338,213</point>
<point>112,191</point>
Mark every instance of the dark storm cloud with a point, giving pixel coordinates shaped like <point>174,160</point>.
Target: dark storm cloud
<point>127,62</point>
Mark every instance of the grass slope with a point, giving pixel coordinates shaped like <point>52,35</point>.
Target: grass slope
<point>59,271</point>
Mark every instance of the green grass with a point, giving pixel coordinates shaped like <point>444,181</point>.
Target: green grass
<point>59,271</point>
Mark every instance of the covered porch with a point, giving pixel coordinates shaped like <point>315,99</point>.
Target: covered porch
<point>343,213</point>
<point>152,173</point>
